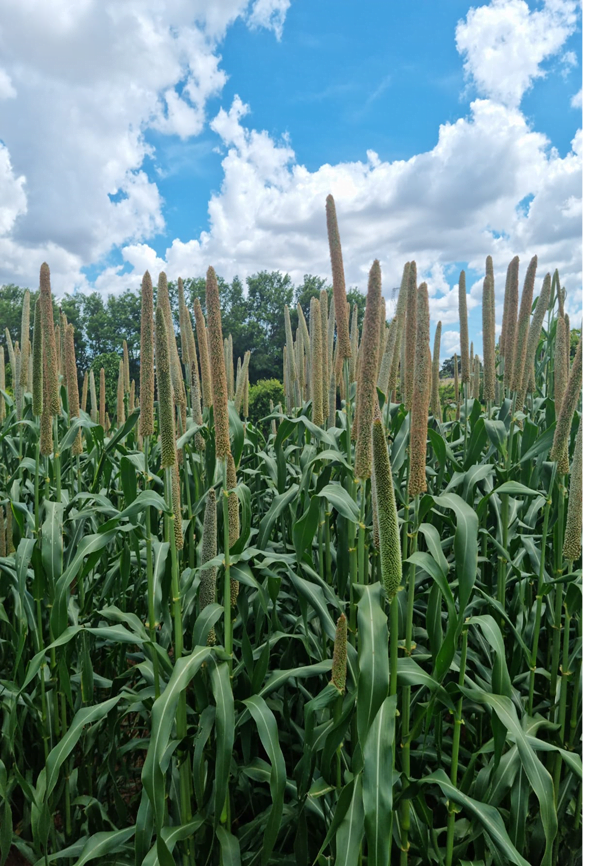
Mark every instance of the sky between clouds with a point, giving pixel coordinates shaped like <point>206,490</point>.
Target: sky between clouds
<point>114,112</point>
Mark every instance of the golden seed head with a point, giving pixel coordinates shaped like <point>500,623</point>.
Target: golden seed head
<point>218,372</point>
<point>365,394</point>
<point>421,396</point>
<point>339,668</point>
<point>410,335</point>
<point>339,283</point>
<point>164,390</point>
<point>93,400</point>
<point>561,363</point>
<point>84,398</point>
<point>203,354</point>
<point>25,338</point>
<point>535,332</point>
<point>560,444</point>
<point>386,508</point>
<point>435,397</point>
<point>317,362</point>
<point>46,436</point>
<point>384,375</point>
<point>102,412</point>
<point>208,577</point>
<point>146,374</point>
<point>49,345</point>
<point>72,385</point>
<point>571,549</point>
<point>523,326</point>
<point>37,361</point>
<point>489,337</point>
<point>121,395</point>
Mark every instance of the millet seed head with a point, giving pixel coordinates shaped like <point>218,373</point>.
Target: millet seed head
<point>365,394</point>
<point>218,372</point>
<point>339,283</point>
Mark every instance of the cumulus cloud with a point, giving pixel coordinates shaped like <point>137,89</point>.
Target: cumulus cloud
<point>460,201</point>
<point>504,44</point>
<point>577,99</point>
<point>80,85</point>
<point>270,14</point>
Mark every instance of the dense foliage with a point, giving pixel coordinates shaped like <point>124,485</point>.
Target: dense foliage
<point>218,645</point>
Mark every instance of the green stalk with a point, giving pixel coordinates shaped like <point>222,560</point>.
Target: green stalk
<point>181,721</point>
<point>362,533</point>
<point>327,546</point>
<point>150,582</point>
<point>458,721</point>
<point>576,691</point>
<point>562,699</point>
<point>558,542</point>
<point>393,647</point>
<point>405,819</point>
<point>57,465</point>
<point>539,595</point>
<point>502,577</point>
<point>228,630</point>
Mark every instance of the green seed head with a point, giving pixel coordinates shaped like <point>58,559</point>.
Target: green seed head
<point>365,394</point>
<point>339,283</point>
<point>340,655</point>
<point>241,381</point>
<point>164,390</point>
<point>421,396</point>
<point>177,508</point>
<point>218,372</point>
<point>2,384</point>
<point>463,313</point>
<point>388,523</point>
<point>324,305</point>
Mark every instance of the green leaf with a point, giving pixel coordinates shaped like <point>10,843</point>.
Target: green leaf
<point>351,830</point>
<point>162,720</point>
<point>377,789</point>
<point>465,544</point>
<point>373,660</point>
<point>104,843</point>
<point>268,731</point>
<point>340,499</point>
<point>488,817</point>
<point>224,732</point>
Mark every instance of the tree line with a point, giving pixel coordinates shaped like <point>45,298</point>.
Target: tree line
<point>255,318</point>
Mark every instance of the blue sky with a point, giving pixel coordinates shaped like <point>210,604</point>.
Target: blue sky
<point>212,135</point>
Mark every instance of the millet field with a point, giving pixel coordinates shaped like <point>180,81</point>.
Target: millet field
<point>344,631</point>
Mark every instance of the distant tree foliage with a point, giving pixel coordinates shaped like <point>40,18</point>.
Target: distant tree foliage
<point>252,314</point>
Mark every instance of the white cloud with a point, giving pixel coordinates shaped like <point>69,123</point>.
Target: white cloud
<point>450,342</point>
<point>504,43</point>
<point>458,202</point>
<point>269,14</point>
<point>80,85</point>
<point>577,99</point>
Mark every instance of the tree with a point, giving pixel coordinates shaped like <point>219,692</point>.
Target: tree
<point>311,288</point>
<point>268,292</point>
